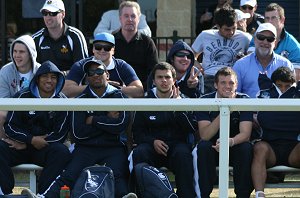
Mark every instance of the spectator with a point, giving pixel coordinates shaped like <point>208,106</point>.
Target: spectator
<point>121,74</point>
<point>250,6</point>
<point>58,42</point>
<point>286,45</point>
<point>279,143</point>
<point>17,74</point>
<point>220,47</point>
<point>40,134</point>
<point>207,150</point>
<point>262,60</point>
<point>207,17</point>
<point>188,77</point>
<point>161,137</point>
<point>242,21</point>
<point>110,23</point>
<point>97,135</point>
<point>137,49</point>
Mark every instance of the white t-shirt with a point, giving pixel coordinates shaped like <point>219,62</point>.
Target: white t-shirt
<point>25,79</point>
<point>219,52</point>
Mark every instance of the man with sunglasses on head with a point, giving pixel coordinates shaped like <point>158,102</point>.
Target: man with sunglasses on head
<point>97,136</point>
<point>250,6</point>
<point>221,46</point>
<point>121,74</point>
<point>263,60</point>
<point>58,42</point>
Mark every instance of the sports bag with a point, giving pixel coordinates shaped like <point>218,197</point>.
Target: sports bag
<point>95,182</point>
<point>152,183</point>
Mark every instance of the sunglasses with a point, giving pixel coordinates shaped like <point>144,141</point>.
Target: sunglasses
<point>245,7</point>
<point>261,37</point>
<point>106,48</point>
<point>183,54</point>
<point>45,13</point>
<point>97,71</point>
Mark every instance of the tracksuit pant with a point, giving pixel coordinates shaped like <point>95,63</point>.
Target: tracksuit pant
<point>53,158</point>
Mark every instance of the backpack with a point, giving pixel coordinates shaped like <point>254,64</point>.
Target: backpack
<point>95,182</point>
<point>152,183</point>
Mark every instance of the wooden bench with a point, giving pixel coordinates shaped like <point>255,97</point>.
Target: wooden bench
<point>32,176</point>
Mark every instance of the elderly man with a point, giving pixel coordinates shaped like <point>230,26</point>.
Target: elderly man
<point>262,60</point>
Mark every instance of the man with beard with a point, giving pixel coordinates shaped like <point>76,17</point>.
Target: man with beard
<point>263,60</point>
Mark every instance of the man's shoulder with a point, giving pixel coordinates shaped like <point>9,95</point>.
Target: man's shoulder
<point>39,33</point>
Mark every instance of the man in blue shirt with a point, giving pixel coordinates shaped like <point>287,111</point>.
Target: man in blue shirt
<point>121,74</point>
<point>263,60</point>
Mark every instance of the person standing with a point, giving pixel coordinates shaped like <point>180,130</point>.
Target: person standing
<point>58,42</point>
<point>137,49</point>
<point>42,133</point>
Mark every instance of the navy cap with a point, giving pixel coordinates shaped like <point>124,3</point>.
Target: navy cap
<point>106,37</point>
<point>91,62</point>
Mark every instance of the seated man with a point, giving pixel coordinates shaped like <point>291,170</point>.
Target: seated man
<point>161,137</point>
<point>41,133</point>
<point>97,135</point>
<point>121,74</point>
<point>240,149</point>
<point>280,138</point>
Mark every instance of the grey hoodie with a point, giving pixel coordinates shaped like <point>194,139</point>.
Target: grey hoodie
<point>9,75</point>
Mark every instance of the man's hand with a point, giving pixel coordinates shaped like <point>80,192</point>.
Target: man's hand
<point>161,147</point>
<point>193,79</point>
<point>39,142</point>
<point>113,114</point>
<point>14,144</point>
<point>176,92</point>
<point>115,84</point>
<point>89,120</point>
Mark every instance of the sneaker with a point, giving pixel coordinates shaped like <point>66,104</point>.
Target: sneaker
<point>130,195</point>
<point>29,193</point>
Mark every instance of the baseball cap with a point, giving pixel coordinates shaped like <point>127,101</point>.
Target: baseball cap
<point>53,5</point>
<point>106,37</point>
<point>91,62</point>
<point>266,27</point>
<point>241,15</point>
<point>248,2</point>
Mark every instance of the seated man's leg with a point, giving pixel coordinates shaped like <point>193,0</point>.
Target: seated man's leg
<point>81,157</point>
<point>116,159</point>
<point>294,157</point>
<point>181,163</point>
<point>145,153</point>
<point>207,159</point>
<point>8,158</point>
<point>2,120</point>
<point>241,158</point>
<point>263,157</point>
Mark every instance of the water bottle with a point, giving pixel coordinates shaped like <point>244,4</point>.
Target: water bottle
<point>64,192</point>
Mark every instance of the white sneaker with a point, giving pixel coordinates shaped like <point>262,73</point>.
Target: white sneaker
<point>29,193</point>
<point>130,195</point>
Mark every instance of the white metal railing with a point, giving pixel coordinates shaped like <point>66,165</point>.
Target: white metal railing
<point>222,105</point>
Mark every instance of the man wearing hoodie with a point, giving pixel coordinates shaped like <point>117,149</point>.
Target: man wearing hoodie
<point>42,132</point>
<point>188,77</point>
<point>17,74</point>
<point>97,135</point>
<point>161,137</point>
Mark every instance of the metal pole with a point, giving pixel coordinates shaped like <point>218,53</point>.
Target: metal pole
<point>224,151</point>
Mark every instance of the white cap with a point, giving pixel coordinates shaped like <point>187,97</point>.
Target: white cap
<point>266,27</point>
<point>241,15</point>
<point>53,5</point>
<point>248,2</point>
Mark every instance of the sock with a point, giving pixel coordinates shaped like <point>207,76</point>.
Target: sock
<point>257,192</point>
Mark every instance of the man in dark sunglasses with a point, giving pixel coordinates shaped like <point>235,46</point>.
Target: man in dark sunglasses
<point>121,74</point>
<point>250,6</point>
<point>263,60</point>
<point>61,44</point>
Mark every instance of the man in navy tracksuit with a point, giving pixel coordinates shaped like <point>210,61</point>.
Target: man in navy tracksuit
<point>40,133</point>
<point>240,149</point>
<point>161,137</point>
<point>280,138</point>
<point>97,135</point>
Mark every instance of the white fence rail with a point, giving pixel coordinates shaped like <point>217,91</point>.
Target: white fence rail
<point>222,105</point>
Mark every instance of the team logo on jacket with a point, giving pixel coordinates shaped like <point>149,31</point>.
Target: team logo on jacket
<point>64,49</point>
<point>92,181</point>
<point>31,112</point>
<point>152,117</point>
